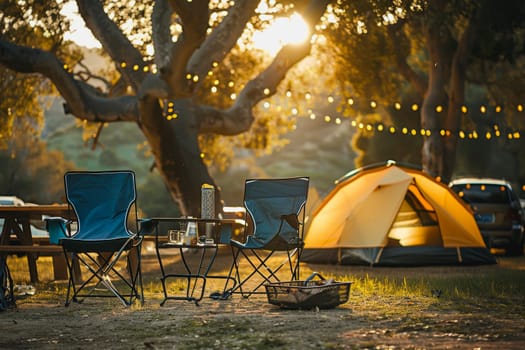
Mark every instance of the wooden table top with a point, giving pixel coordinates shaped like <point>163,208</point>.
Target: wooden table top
<point>34,211</point>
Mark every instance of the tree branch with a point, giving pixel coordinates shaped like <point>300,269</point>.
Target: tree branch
<point>265,84</point>
<point>239,117</point>
<point>81,100</point>
<point>160,26</point>
<point>114,42</point>
<point>194,18</point>
<point>223,38</point>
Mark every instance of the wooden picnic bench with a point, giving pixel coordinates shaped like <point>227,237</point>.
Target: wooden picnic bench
<point>16,236</point>
<point>36,250</point>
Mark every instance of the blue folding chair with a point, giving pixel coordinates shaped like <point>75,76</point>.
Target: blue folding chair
<point>102,202</point>
<point>275,212</point>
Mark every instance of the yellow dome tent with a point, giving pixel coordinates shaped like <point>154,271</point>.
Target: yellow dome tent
<point>392,215</point>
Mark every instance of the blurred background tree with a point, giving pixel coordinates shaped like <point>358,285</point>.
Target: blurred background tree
<point>448,72</point>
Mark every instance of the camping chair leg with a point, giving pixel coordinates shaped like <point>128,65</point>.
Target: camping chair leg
<point>227,292</point>
<point>101,267</point>
<point>72,269</point>
<point>133,267</point>
<point>135,271</point>
<point>72,281</point>
<point>256,270</point>
<point>294,270</point>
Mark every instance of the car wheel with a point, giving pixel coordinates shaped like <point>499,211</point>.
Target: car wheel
<point>516,247</point>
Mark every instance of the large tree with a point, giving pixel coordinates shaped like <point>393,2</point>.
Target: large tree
<point>166,93</point>
<point>426,54</point>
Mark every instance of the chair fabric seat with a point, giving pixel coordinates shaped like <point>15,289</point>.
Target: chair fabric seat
<point>95,245</point>
<point>277,243</point>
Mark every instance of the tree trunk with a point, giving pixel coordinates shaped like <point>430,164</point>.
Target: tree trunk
<point>175,147</point>
<point>457,89</point>
<point>432,157</point>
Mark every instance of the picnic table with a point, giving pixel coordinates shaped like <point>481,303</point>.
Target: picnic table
<point>16,236</point>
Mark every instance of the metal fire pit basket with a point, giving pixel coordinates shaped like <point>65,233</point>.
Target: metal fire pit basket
<point>308,294</point>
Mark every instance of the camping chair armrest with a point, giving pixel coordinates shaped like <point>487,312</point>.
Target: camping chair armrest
<point>147,227</point>
<point>138,240</point>
<point>57,227</point>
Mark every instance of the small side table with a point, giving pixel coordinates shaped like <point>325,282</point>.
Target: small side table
<point>192,275</point>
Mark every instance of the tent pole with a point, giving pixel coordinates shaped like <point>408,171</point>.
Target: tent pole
<point>460,258</point>
<point>378,256</point>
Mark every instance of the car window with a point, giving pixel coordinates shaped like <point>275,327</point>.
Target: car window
<point>477,193</point>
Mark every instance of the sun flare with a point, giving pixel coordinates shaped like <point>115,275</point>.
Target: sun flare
<point>283,31</point>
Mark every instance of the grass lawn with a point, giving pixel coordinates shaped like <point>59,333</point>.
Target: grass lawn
<point>441,307</point>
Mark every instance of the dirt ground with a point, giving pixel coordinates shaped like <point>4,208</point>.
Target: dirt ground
<point>369,320</point>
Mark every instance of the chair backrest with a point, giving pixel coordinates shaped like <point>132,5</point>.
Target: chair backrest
<point>102,201</point>
<point>267,201</point>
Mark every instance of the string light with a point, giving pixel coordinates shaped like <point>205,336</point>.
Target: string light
<point>488,135</point>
